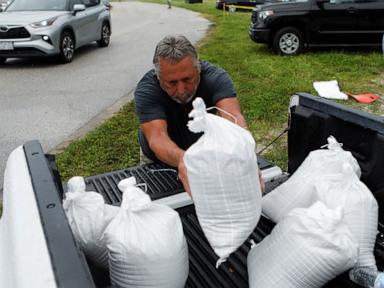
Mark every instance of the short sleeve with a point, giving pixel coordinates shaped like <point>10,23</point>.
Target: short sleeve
<point>148,99</point>
<point>220,83</point>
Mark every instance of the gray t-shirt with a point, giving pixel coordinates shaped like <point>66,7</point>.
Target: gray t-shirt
<point>153,103</point>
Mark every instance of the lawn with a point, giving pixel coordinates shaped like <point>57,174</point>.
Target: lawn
<point>264,82</point>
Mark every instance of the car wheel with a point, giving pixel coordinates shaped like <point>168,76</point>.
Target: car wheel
<point>105,35</point>
<point>288,41</point>
<point>2,60</point>
<point>67,47</point>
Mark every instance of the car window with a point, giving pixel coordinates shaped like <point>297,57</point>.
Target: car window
<point>37,5</point>
<point>90,3</point>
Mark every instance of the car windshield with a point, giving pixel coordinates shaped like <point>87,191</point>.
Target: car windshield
<point>37,5</point>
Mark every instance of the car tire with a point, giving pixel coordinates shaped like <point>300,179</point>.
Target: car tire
<point>2,60</point>
<point>105,35</point>
<point>67,47</point>
<point>288,41</point>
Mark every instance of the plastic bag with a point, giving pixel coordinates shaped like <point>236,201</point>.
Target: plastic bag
<point>146,243</point>
<point>299,190</point>
<point>88,217</point>
<point>223,177</point>
<point>306,249</point>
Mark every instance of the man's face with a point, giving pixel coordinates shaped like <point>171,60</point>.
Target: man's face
<point>179,80</point>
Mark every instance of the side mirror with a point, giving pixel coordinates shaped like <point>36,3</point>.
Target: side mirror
<point>78,8</point>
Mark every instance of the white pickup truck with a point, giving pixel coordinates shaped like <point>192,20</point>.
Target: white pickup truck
<point>37,248</point>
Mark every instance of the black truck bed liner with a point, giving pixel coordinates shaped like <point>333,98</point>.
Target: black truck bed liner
<point>161,181</point>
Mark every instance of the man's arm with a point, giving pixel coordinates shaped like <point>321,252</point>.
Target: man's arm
<point>165,149</point>
<point>232,106</point>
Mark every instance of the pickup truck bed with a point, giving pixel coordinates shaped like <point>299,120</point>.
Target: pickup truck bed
<point>203,273</point>
<point>312,119</point>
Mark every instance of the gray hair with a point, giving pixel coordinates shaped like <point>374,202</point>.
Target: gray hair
<point>174,49</point>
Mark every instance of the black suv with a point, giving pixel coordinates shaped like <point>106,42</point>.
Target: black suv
<point>287,26</point>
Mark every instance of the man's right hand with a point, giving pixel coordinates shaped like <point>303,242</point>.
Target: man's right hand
<point>183,176</point>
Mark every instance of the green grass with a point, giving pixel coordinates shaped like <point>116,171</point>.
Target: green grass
<point>111,146</point>
<point>264,81</point>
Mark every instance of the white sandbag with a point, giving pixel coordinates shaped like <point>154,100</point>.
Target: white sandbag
<point>88,217</point>
<point>223,176</point>
<point>306,249</point>
<point>298,190</point>
<point>146,243</point>
<point>360,207</point>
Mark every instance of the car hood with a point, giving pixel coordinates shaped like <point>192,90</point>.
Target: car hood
<point>27,17</point>
<point>286,6</point>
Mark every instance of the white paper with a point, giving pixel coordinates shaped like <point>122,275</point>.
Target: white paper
<point>329,89</point>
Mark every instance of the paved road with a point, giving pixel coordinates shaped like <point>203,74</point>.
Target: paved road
<point>40,99</point>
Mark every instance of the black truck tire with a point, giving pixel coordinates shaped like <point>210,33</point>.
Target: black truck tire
<point>288,41</point>
<point>2,60</point>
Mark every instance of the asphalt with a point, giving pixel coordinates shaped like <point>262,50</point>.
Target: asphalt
<point>55,103</point>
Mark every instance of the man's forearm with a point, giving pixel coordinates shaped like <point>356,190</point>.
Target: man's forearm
<point>167,151</point>
<point>232,106</point>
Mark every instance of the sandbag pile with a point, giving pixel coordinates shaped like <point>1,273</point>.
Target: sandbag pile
<point>332,177</point>
<point>141,243</point>
<point>88,217</point>
<point>223,176</point>
<point>146,243</point>
<point>306,249</point>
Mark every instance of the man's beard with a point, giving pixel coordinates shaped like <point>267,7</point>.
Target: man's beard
<point>184,98</point>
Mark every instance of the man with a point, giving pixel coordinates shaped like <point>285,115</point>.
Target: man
<point>164,98</point>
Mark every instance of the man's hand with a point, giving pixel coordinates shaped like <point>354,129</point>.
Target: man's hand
<point>262,184</point>
<point>165,149</point>
<point>183,176</point>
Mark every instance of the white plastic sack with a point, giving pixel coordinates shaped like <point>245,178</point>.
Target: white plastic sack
<point>146,243</point>
<point>299,190</point>
<point>306,249</point>
<point>360,207</point>
<point>223,176</point>
<point>88,217</point>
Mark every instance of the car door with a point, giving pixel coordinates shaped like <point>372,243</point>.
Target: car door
<point>79,23</point>
<point>371,21</point>
<point>334,22</point>
<point>94,9</point>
